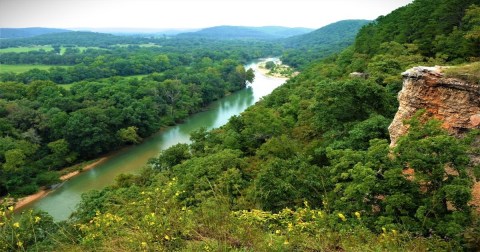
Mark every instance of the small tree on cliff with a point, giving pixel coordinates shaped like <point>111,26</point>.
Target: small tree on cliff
<point>444,188</point>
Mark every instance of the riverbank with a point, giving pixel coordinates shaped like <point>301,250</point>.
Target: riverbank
<point>174,136</point>
<point>60,202</point>
<point>279,70</point>
<point>24,201</point>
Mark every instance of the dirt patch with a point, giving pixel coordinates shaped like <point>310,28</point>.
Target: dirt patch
<point>22,202</point>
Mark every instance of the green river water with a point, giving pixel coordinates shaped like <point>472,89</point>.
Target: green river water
<point>61,202</point>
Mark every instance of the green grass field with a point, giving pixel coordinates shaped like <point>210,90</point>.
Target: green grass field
<point>23,68</point>
<point>26,49</point>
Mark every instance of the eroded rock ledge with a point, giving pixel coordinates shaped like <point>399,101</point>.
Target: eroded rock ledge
<point>454,102</point>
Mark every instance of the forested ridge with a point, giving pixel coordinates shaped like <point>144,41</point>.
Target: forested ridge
<point>304,49</point>
<point>308,168</point>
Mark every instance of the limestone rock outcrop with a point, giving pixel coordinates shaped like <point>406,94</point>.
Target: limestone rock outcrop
<point>454,102</point>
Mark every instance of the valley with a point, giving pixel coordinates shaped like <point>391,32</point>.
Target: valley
<point>360,135</point>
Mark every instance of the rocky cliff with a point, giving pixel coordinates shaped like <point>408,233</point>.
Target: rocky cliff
<point>454,102</point>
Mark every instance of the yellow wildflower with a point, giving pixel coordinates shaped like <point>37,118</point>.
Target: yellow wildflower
<point>342,217</point>
<point>394,232</point>
<point>16,224</point>
<point>320,214</point>
<point>286,242</point>
<point>144,244</point>
<point>37,219</point>
<point>277,231</point>
<point>19,243</point>
<point>305,203</point>
<point>1,224</point>
<point>2,213</point>
<point>290,226</point>
<point>167,237</point>
<point>384,229</point>
<point>357,214</point>
<point>10,208</point>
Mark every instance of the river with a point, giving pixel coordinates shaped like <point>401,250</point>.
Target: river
<point>62,202</point>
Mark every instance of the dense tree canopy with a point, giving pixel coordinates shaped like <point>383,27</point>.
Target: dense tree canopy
<point>308,168</point>
<point>45,127</point>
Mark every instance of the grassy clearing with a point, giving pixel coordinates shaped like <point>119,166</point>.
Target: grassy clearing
<point>43,47</point>
<point>26,49</point>
<point>23,68</point>
<point>469,72</point>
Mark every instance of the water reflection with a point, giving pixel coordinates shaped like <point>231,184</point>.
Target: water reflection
<point>62,201</point>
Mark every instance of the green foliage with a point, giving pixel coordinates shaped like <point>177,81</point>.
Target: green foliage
<point>269,65</point>
<point>418,23</point>
<point>129,135</point>
<point>24,233</point>
<point>45,127</point>
<point>308,168</point>
<point>304,49</point>
<point>170,157</point>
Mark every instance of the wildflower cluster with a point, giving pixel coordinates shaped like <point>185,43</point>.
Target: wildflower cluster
<point>293,227</point>
<point>101,226</point>
<point>22,231</point>
<point>153,219</point>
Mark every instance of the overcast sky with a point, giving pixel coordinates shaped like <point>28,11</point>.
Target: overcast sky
<point>187,13</point>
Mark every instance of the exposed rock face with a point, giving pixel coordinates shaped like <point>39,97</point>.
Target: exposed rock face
<point>358,75</point>
<point>454,102</point>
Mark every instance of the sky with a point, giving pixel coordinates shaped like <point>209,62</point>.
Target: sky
<point>187,13</point>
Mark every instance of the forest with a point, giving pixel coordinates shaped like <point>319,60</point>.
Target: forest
<point>308,168</point>
<point>47,126</point>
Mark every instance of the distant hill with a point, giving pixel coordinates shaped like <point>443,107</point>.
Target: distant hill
<point>281,31</point>
<point>139,31</point>
<point>321,43</point>
<point>27,32</point>
<point>245,32</point>
<point>74,38</point>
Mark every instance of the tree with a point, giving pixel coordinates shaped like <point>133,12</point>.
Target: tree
<point>250,75</point>
<point>14,159</point>
<point>170,157</point>
<point>270,65</point>
<point>129,135</point>
<point>439,161</point>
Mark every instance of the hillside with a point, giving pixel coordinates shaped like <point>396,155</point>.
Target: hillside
<point>435,27</point>
<point>244,32</point>
<point>6,33</point>
<point>282,32</point>
<point>321,43</point>
<point>309,167</point>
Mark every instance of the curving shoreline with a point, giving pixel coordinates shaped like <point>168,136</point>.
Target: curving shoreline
<point>24,201</point>
<point>39,197</point>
